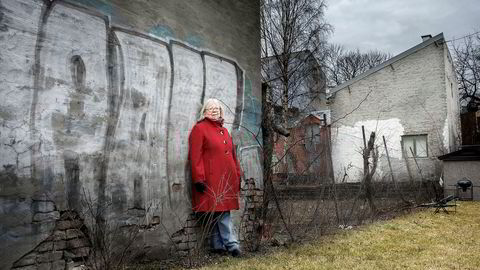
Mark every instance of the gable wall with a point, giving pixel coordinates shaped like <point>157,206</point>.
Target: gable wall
<point>405,98</point>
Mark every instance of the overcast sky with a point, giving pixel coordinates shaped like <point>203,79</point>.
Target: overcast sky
<point>396,25</point>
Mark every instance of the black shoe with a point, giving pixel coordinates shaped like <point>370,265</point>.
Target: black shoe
<point>236,252</point>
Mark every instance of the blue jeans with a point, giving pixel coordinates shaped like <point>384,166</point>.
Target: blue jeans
<point>223,236</point>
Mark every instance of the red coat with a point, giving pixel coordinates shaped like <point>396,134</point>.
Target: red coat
<point>213,161</point>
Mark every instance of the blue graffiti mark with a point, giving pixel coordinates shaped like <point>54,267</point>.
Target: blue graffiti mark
<point>99,5</point>
<point>161,31</point>
<point>252,117</point>
<point>195,40</point>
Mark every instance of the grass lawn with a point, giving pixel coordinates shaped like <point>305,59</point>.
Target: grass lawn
<point>420,240</point>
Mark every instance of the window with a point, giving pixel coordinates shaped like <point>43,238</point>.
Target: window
<point>312,135</point>
<point>416,144</point>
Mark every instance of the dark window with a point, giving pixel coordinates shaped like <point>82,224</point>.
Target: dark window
<point>416,144</point>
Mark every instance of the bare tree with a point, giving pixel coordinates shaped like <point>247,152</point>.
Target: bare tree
<point>342,65</point>
<point>292,33</point>
<point>467,67</point>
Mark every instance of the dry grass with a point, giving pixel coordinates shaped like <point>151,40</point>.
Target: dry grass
<point>420,240</point>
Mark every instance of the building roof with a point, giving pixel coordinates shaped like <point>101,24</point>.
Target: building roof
<point>435,39</point>
<point>466,153</point>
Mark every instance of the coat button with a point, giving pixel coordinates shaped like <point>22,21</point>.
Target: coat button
<point>221,132</point>
<point>225,142</point>
<point>226,152</point>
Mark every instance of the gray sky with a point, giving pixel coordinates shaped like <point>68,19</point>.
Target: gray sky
<point>396,25</point>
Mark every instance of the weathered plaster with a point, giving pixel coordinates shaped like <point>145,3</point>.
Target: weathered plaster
<point>347,145</point>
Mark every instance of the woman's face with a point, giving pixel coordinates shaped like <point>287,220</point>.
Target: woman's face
<point>212,112</point>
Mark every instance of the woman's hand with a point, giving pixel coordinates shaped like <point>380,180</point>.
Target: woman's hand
<point>200,187</point>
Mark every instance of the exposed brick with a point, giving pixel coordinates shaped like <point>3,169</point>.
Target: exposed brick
<point>59,245</point>
<point>57,235</point>
<point>155,220</point>
<point>69,215</point>
<point>29,267</point>
<point>185,246</point>
<point>43,206</point>
<point>73,233</point>
<point>77,243</point>
<point>27,260</point>
<point>259,193</point>
<point>57,265</point>
<point>40,217</point>
<point>69,224</point>
<point>49,256</point>
<point>45,246</point>
<point>190,230</point>
<point>81,252</point>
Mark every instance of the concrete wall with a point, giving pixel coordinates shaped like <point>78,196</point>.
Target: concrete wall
<point>456,170</point>
<point>405,98</point>
<point>98,99</point>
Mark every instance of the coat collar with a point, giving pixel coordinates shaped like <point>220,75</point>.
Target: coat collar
<point>218,123</point>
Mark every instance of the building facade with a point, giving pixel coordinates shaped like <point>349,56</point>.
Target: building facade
<point>412,101</point>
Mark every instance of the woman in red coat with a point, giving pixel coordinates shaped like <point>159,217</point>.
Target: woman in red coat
<point>215,175</point>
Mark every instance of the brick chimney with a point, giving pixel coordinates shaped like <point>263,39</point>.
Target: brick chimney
<point>426,37</point>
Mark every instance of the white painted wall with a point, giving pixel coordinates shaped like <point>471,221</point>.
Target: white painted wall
<point>347,144</point>
<point>407,97</point>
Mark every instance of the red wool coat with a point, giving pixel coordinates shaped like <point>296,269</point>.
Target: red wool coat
<point>213,161</point>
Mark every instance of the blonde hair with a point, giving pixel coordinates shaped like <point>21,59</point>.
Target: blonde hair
<point>208,104</point>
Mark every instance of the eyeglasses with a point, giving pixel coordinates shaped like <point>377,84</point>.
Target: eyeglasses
<point>213,109</point>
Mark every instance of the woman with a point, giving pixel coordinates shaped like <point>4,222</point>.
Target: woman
<point>215,175</point>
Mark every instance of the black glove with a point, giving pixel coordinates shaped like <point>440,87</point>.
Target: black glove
<point>200,187</point>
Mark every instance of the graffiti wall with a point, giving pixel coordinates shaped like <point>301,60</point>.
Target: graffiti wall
<point>91,110</point>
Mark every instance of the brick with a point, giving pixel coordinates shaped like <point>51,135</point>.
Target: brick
<point>77,243</point>
<point>57,235</point>
<point>49,256</point>
<point>41,217</point>
<point>80,252</point>
<point>27,260</point>
<point>155,220</point>
<point>29,267</point>
<point>185,246</point>
<point>57,265</point>
<point>60,245</point>
<point>43,206</point>
<point>73,233</point>
<point>259,193</point>
<point>69,215</point>
<point>45,246</point>
<point>69,224</point>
